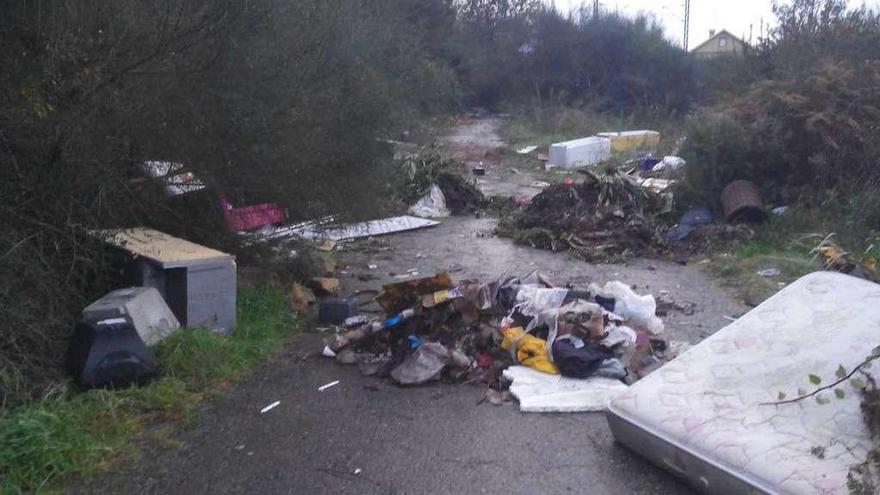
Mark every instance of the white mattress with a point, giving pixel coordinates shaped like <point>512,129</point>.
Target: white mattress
<point>707,401</point>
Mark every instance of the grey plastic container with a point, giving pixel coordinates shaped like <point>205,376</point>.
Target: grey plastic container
<point>201,294</point>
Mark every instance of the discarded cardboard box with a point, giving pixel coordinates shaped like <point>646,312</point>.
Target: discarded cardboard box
<point>301,299</point>
<point>326,286</point>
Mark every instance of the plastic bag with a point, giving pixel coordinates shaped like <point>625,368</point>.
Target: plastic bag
<point>432,205</point>
<point>423,365</point>
<point>532,300</point>
<point>638,310</point>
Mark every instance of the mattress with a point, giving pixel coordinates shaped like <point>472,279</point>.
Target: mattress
<point>701,415</point>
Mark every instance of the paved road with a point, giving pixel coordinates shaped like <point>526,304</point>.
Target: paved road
<point>430,439</point>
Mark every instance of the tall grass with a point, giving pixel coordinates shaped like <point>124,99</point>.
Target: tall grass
<point>70,433</point>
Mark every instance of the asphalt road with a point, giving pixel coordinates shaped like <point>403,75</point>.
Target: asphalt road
<point>350,439</point>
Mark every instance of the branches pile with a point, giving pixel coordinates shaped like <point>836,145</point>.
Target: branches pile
<point>606,217</point>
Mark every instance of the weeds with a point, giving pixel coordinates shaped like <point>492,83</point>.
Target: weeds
<point>71,433</point>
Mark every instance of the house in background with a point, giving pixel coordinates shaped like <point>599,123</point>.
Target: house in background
<point>720,45</point>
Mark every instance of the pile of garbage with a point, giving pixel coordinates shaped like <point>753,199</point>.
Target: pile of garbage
<point>437,329</point>
<point>608,215</point>
<point>435,186</point>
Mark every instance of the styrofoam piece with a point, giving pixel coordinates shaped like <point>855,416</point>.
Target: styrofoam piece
<point>144,306</point>
<point>542,392</point>
<point>323,230</point>
<point>633,142</point>
<point>704,416</point>
<point>580,152</point>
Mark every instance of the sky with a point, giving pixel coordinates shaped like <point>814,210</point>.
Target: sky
<point>733,15</point>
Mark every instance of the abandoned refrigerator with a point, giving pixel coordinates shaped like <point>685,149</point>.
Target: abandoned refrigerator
<point>712,415</point>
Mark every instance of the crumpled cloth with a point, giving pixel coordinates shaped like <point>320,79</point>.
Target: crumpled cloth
<point>528,350</point>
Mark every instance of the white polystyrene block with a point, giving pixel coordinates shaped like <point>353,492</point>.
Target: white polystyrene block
<point>580,152</point>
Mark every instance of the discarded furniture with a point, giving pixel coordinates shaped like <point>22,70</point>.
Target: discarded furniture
<point>109,353</point>
<point>144,306</point>
<point>580,152</point>
<point>198,283</point>
<point>634,143</point>
<point>712,416</point>
<point>244,218</point>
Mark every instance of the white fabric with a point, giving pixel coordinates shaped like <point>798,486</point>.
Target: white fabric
<point>542,392</point>
<point>707,401</point>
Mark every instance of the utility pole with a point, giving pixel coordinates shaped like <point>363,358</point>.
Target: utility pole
<point>595,9</point>
<point>687,22</point>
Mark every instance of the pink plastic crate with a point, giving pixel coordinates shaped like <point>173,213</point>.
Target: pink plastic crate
<point>251,217</point>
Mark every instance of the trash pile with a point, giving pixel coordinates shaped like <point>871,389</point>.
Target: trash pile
<point>471,332</point>
<point>608,215</point>
<point>435,186</point>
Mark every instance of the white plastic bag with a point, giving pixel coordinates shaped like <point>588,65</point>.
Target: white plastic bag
<point>432,205</point>
<point>638,310</point>
<point>669,162</point>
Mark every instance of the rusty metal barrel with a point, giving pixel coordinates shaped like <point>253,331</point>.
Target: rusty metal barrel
<point>741,202</point>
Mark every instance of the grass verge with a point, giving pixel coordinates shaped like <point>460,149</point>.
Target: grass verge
<point>69,433</point>
<point>779,244</point>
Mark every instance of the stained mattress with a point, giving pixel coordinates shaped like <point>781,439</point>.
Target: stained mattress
<point>701,416</point>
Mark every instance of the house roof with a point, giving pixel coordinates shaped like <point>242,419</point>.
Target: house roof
<point>719,33</point>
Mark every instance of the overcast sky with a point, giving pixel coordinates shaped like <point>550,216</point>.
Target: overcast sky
<point>732,15</point>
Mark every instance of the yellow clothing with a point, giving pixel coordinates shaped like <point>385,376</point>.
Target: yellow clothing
<point>530,350</point>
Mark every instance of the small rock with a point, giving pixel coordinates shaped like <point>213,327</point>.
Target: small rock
<point>326,286</point>
<point>301,299</point>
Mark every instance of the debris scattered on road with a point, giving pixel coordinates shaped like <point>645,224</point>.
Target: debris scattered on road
<point>670,163</point>
<point>469,331</point>
<point>270,407</point>
<point>780,210</point>
<point>329,231</point>
<point>769,272</point>
<point>325,387</point>
<point>431,205</point>
<point>302,299</point>
<point>540,392</point>
<point>689,221</point>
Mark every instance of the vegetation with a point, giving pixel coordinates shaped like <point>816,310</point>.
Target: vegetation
<point>265,100</point>
<point>803,124</point>
<point>68,432</point>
